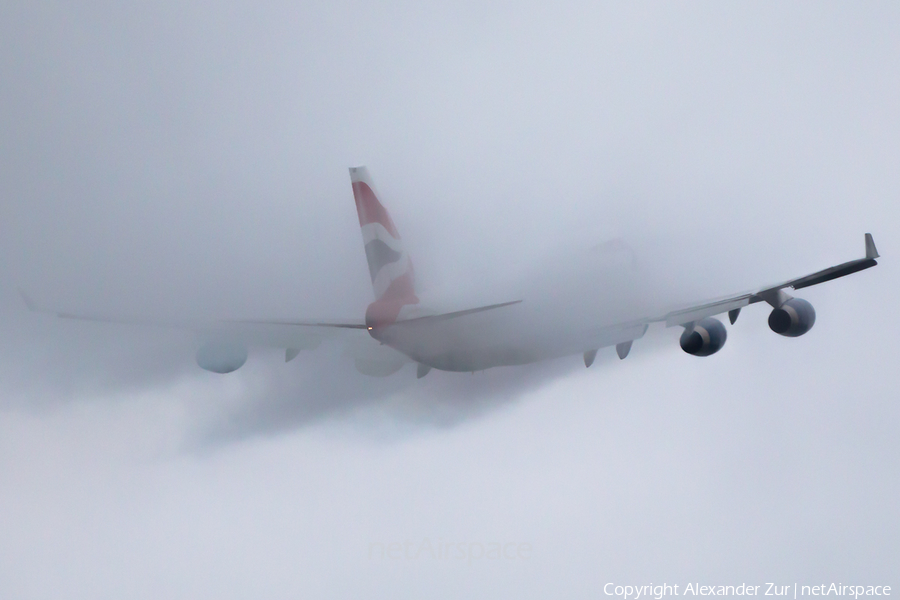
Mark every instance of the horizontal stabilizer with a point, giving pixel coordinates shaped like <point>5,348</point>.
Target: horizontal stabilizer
<point>298,323</point>
<point>458,313</point>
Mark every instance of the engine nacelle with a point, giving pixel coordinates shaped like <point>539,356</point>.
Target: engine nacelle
<point>793,318</point>
<point>221,357</point>
<point>704,338</point>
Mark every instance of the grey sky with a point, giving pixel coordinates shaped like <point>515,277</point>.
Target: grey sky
<point>190,159</point>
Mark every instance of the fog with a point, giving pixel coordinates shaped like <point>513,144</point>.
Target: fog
<point>182,161</point>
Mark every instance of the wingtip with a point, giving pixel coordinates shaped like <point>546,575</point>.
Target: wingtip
<point>871,251</point>
<point>29,302</point>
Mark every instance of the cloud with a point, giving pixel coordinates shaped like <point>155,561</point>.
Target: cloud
<point>189,160</point>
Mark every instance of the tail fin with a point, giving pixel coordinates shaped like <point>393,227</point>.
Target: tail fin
<point>393,279</point>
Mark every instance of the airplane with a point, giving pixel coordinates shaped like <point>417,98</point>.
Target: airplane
<point>409,330</point>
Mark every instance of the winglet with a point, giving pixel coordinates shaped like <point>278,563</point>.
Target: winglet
<point>871,251</point>
<point>31,304</point>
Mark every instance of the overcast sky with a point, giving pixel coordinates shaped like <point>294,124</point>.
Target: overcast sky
<point>189,159</point>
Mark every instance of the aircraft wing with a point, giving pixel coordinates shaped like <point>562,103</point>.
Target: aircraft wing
<point>377,359</point>
<point>286,334</point>
<point>371,357</point>
<point>623,334</point>
<point>773,294</point>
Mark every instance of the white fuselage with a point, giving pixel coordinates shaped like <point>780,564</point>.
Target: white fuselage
<point>544,326</point>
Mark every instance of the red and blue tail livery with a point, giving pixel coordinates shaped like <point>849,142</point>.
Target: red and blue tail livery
<point>393,278</point>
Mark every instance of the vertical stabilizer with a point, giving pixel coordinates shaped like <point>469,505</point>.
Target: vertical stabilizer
<point>393,279</point>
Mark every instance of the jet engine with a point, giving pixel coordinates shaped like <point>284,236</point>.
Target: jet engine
<point>704,337</point>
<point>221,357</point>
<point>793,318</point>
